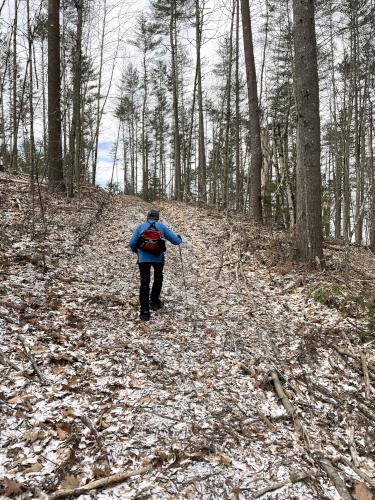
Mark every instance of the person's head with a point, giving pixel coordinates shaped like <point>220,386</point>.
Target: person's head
<point>153,214</point>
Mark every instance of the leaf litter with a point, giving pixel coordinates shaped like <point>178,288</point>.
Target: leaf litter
<point>88,391</point>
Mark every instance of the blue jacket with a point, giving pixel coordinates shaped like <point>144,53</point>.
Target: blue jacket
<point>166,233</point>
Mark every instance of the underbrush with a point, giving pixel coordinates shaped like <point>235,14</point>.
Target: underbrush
<point>357,304</point>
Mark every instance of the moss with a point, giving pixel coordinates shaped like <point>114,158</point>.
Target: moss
<point>350,304</point>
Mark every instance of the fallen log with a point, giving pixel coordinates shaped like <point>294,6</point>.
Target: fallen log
<point>358,471</point>
<point>294,478</point>
<point>104,482</point>
<point>336,479</point>
<point>286,403</point>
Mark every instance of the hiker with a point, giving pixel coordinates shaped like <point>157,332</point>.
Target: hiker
<point>148,242</point>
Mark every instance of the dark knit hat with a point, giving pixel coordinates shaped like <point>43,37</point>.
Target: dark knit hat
<point>153,214</point>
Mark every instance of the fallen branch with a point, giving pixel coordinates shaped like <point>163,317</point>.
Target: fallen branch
<point>246,369</point>
<point>357,361</point>
<point>85,420</point>
<point>366,379</point>
<point>294,478</point>
<point>267,421</point>
<point>286,403</point>
<point>352,446</point>
<point>336,479</point>
<point>7,362</point>
<point>366,411</point>
<point>358,471</point>
<point>32,361</point>
<point>105,482</point>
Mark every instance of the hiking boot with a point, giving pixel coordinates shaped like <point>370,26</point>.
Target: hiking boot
<point>155,306</point>
<point>144,316</point>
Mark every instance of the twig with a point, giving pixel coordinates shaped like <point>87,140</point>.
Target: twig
<point>352,447</point>
<point>366,411</point>
<point>220,266</point>
<point>32,360</point>
<point>8,362</point>
<point>267,421</point>
<point>294,478</point>
<point>246,369</point>
<point>366,379</point>
<point>85,420</point>
<point>105,482</point>
<point>336,479</point>
<point>356,359</point>
<point>358,471</point>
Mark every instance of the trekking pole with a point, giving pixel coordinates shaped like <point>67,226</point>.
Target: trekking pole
<point>183,273</point>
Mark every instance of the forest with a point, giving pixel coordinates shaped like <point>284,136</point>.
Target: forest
<point>198,108</point>
<point>248,125</point>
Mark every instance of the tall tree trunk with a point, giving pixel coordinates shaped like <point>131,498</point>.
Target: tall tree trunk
<point>78,98</point>
<point>309,214</point>
<point>98,110</point>
<point>202,194</point>
<point>75,129</point>
<point>145,173</point>
<point>337,168</point>
<point>45,142</point>
<point>55,166</point>
<point>372,174</point>
<point>31,103</point>
<point>345,141</point>
<point>176,133</point>
<point>238,116</point>
<point>14,86</point>
<point>226,173</point>
<point>188,176</point>
<point>255,141</point>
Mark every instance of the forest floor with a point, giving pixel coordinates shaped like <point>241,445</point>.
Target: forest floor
<point>258,376</point>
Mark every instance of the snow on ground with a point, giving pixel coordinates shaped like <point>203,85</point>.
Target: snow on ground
<point>189,394</point>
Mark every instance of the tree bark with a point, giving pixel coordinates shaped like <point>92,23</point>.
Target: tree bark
<point>98,110</point>
<point>55,166</point>
<point>177,145</point>
<point>14,87</point>
<point>255,141</point>
<point>202,194</point>
<point>309,216</point>
<point>372,173</point>
<point>227,156</point>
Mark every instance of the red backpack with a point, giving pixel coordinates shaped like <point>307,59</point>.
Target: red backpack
<point>150,240</point>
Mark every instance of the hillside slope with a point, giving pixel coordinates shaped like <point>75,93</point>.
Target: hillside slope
<point>191,398</point>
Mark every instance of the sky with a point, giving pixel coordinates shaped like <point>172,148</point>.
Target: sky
<point>121,16</point>
<point>121,24</point>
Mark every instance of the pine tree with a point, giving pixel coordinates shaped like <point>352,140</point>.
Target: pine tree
<point>309,200</point>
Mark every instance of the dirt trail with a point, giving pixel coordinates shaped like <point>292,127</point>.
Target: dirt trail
<point>190,392</point>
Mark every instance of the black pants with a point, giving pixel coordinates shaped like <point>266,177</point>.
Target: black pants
<point>144,292</point>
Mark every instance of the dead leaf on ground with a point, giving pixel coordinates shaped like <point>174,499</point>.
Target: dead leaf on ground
<point>33,435</point>
<point>69,412</point>
<point>69,482</point>
<point>98,472</point>
<point>37,467</point>
<point>219,459</point>
<point>12,487</point>
<point>361,492</point>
